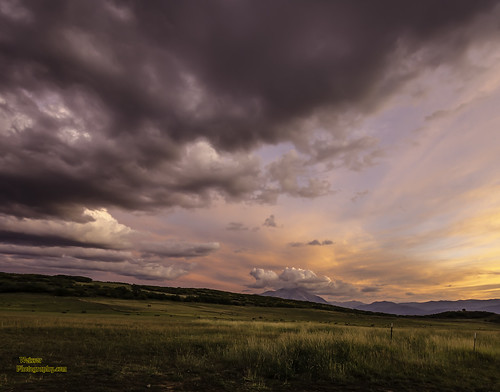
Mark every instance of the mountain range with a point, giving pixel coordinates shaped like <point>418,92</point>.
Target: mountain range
<point>404,308</point>
<point>297,294</point>
<point>426,308</point>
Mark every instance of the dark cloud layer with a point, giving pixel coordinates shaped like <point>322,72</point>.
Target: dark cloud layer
<point>102,102</point>
<point>18,238</point>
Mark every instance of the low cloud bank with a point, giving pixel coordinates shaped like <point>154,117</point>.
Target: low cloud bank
<point>98,243</point>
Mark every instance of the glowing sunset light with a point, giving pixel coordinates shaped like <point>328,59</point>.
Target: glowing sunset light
<point>351,149</point>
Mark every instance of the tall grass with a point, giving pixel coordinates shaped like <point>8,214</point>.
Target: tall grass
<point>254,354</point>
<point>346,353</point>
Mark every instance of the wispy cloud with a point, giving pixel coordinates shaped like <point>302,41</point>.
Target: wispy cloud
<point>270,222</point>
<point>311,243</point>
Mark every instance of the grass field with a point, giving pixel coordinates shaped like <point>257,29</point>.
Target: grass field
<point>132,345</point>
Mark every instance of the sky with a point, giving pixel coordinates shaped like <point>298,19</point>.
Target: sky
<point>348,148</point>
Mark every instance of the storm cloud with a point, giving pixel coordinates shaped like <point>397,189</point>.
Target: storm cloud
<point>159,104</point>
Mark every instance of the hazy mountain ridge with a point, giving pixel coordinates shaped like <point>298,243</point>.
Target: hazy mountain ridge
<point>404,308</point>
<point>425,308</point>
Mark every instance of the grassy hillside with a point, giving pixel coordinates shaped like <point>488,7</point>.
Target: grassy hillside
<point>116,344</point>
<point>79,286</point>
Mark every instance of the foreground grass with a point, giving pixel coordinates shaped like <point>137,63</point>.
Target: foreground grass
<point>132,345</point>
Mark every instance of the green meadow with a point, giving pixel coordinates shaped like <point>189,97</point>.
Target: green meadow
<point>112,344</point>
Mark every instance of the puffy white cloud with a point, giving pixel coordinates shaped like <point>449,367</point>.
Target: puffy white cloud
<point>292,277</point>
<point>263,278</point>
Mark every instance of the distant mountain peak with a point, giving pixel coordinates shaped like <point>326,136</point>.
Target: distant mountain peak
<point>297,294</point>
